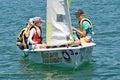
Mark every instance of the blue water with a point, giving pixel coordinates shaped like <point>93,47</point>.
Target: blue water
<point>105,64</point>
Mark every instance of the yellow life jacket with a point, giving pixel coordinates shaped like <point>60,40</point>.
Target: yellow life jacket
<point>19,38</point>
<point>85,19</point>
<point>81,29</point>
<point>25,32</point>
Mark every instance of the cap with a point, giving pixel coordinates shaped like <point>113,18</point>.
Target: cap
<point>79,11</point>
<point>31,20</point>
<point>37,20</point>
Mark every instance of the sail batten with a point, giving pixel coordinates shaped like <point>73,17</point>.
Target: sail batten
<point>58,23</point>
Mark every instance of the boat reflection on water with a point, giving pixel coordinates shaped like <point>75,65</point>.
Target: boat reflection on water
<point>44,72</point>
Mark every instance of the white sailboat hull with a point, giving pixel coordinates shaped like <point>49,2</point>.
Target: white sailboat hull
<point>62,56</point>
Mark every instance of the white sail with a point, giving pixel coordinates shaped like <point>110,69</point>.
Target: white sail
<point>58,23</point>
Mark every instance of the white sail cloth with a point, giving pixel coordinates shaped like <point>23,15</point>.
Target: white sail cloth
<point>58,23</point>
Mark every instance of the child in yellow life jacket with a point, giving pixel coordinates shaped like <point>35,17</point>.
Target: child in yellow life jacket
<point>86,30</point>
<point>23,36</point>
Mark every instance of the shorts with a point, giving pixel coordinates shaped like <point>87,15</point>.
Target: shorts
<point>32,47</point>
<point>88,38</point>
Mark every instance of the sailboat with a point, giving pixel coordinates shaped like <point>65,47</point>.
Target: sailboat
<point>59,38</point>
